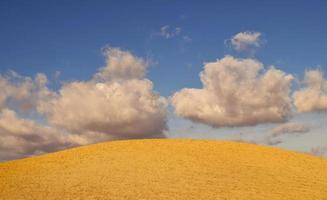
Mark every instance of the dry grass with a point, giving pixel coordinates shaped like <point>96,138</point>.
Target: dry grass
<point>166,169</point>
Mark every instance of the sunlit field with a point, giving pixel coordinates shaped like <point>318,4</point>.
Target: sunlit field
<point>166,169</point>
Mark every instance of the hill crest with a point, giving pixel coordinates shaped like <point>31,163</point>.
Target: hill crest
<point>166,169</point>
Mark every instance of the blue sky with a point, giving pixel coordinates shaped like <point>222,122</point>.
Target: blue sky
<point>67,36</point>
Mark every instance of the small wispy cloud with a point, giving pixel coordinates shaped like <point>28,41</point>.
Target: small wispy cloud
<point>289,128</point>
<point>169,32</point>
<point>246,41</point>
<point>187,38</point>
<point>285,129</point>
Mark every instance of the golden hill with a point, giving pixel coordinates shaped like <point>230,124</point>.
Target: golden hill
<point>166,169</point>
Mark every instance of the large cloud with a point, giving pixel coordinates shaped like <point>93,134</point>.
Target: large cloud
<point>20,136</point>
<point>125,108</point>
<point>118,102</point>
<point>23,92</point>
<point>246,41</point>
<point>23,137</point>
<point>235,93</point>
<point>313,97</point>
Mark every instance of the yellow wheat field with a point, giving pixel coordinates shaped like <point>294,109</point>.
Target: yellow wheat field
<point>166,169</point>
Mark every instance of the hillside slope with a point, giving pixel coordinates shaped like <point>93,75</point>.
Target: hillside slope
<point>166,169</point>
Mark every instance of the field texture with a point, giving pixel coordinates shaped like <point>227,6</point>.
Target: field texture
<point>166,169</point>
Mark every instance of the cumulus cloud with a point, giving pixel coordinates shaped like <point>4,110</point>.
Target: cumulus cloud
<point>121,65</point>
<point>126,108</point>
<point>23,137</point>
<point>236,92</point>
<point>118,102</point>
<point>246,41</point>
<point>23,93</point>
<point>313,96</point>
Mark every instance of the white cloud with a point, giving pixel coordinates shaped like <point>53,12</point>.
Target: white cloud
<point>118,102</point>
<point>23,93</point>
<point>23,137</point>
<point>121,65</point>
<point>246,41</point>
<point>128,108</point>
<point>313,97</point>
<point>234,93</point>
